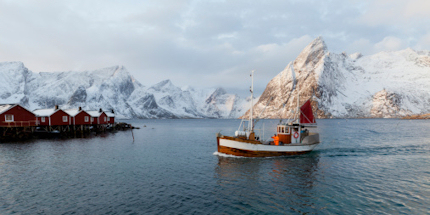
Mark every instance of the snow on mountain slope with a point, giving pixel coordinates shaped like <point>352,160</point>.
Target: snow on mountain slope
<point>386,84</point>
<point>109,88</point>
<point>219,104</point>
<point>13,74</point>
<point>202,103</point>
<point>173,99</point>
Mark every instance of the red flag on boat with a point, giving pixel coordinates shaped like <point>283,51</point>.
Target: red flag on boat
<point>306,114</point>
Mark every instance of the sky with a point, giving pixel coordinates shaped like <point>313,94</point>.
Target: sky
<point>202,43</point>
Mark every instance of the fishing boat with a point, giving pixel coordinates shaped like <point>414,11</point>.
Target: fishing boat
<point>291,138</point>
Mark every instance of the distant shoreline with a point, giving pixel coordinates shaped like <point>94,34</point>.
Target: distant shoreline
<point>418,116</point>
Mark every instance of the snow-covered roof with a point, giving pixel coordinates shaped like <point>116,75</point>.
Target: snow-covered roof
<point>110,114</point>
<point>94,113</point>
<point>72,112</point>
<point>45,112</point>
<point>5,107</point>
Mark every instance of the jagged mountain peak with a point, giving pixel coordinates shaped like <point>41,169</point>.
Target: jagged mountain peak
<point>12,65</point>
<point>356,56</point>
<point>312,53</point>
<point>109,72</point>
<point>163,85</point>
<point>217,93</point>
<point>385,84</point>
<point>187,88</point>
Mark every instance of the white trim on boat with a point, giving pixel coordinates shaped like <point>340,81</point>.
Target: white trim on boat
<point>268,148</point>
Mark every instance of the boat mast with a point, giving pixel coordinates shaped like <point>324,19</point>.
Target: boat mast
<point>298,104</point>
<point>295,87</point>
<point>252,102</point>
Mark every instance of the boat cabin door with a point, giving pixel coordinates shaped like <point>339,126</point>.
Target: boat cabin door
<point>295,135</point>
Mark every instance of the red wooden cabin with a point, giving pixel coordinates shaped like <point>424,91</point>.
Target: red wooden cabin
<point>110,117</point>
<point>103,119</point>
<point>52,116</point>
<point>98,117</point>
<point>79,116</point>
<point>14,115</point>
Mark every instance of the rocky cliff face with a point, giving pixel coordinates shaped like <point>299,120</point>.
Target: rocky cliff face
<point>386,84</point>
<point>112,88</point>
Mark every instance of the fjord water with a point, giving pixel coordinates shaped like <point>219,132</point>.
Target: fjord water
<point>362,166</point>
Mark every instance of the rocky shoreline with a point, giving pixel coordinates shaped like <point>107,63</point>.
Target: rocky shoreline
<point>419,116</point>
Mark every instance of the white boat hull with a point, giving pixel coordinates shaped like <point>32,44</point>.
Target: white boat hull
<point>238,147</point>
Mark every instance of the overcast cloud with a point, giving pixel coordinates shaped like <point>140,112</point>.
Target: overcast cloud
<point>202,43</point>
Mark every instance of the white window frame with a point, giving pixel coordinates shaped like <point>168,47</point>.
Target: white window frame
<point>65,118</point>
<point>105,119</point>
<point>86,118</point>
<point>42,119</point>
<point>6,118</point>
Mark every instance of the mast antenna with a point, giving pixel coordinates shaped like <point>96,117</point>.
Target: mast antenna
<point>251,126</point>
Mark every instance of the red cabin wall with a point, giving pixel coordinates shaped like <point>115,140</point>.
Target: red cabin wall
<point>111,120</point>
<point>95,121</point>
<point>39,119</point>
<point>103,119</point>
<point>80,119</point>
<point>21,117</point>
<point>57,118</point>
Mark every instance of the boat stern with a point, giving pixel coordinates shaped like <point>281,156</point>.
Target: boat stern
<point>312,138</point>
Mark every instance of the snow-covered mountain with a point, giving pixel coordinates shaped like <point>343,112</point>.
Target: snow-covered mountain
<point>113,88</point>
<point>386,84</point>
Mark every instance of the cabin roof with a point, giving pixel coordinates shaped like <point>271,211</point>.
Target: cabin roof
<point>94,113</point>
<point>72,112</point>
<point>109,114</point>
<point>45,112</point>
<point>5,107</point>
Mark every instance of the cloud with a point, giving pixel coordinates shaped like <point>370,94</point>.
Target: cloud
<point>366,47</point>
<point>398,13</point>
<point>390,44</point>
<point>423,43</point>
<point>363,46</point>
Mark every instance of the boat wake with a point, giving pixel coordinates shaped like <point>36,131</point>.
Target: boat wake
<point>227,155</point>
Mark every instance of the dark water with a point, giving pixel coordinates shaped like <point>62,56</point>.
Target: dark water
<point>375,166</point>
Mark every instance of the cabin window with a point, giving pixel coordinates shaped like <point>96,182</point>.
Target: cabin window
<point>92,119</point>
<point>8,118</point>
<point>105,119</point>
<point>65,118</point>
<point>42,119</point>
<point>108,119</point>
<point>86,118</point>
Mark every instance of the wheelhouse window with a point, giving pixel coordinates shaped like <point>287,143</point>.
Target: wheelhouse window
<point>42,119</point>
<point>86,118</point>
<point>8,118</point>
<point>65,118</point>
<point>283,129</point>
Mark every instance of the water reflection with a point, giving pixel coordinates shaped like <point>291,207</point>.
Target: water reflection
<point>285,184</point>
